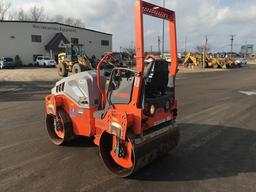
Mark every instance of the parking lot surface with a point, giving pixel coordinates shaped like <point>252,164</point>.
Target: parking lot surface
<point>217,151</point>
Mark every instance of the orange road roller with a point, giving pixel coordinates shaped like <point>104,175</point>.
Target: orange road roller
<point>130,114</point>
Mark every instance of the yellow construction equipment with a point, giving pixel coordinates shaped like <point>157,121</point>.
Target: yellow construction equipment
<point>192,59</point>
<point>213,61</point>
<point>73,60</point>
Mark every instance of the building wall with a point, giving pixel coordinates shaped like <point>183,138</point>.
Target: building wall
<point>15,39</point>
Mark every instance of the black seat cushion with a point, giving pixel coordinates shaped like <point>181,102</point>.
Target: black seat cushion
<point>156,78</point>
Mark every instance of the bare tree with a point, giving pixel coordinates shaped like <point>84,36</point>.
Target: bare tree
<point>4,7</point>
<point>12,16</point>
<point>69,21</point>
<point>37,13</point>
<point>74,22</point>
<point>200,48</point>
<point>78,23</point>
<point>59,18</point>
<point>130,51</point>
<point>21,15</point>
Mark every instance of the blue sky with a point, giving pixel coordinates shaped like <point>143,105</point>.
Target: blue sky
<point>195,18</point>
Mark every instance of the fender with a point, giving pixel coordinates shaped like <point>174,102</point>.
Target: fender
<point>52,102</point>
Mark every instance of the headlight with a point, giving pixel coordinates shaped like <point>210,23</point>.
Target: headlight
<point>50,109</point>
<point>116,129</point>
<point>152,110</point>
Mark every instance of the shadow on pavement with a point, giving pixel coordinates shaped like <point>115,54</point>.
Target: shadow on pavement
<point>81,142</point>
<point>24,91</point>
<point>218,152</point>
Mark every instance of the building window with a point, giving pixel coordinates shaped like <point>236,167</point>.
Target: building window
<point>36,38</point>
<point>74,40</point>
<point>104,42</point>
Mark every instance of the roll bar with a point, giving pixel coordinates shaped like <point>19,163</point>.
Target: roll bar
<point>145,8</point>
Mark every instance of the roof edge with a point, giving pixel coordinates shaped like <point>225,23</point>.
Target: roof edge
<point>56,23</point>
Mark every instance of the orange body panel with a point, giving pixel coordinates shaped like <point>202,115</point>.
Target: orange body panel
<point>82,119</point>
<point>161,116</point>
<point>126,162</point>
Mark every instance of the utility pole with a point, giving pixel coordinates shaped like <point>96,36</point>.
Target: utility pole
<point>163,34</point>
<point>159,42</point>
<point>204,50</point>
<point>246,49</point>
<point>206,42</point>
<point>151,49</point>
<point>232,42</point>
<point>185,47</point>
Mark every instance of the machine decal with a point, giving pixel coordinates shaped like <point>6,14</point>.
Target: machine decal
<point>137,81</point>
<point>82,81</point>
<point>80,111</point>
<point>73,112</point>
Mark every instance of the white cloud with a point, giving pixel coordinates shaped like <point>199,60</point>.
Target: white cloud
<point>195,18</point>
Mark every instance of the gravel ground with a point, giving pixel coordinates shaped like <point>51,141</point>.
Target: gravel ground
<point>28,74</point>
<point>35,75</point>
<point>50,74</point>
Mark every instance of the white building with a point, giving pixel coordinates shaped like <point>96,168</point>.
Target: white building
<point>30,39</point>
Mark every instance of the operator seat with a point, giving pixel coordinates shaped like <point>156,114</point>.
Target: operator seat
<point>156,78</point>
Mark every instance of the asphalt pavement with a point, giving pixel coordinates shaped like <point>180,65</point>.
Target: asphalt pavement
<point>217,151</point>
